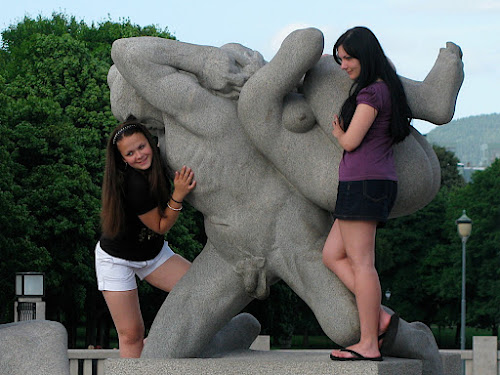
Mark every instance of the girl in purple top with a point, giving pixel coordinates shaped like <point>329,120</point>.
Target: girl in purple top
<point>374,117</point>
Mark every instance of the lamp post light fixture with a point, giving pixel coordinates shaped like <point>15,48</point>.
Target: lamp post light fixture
<point>30,288</point>
<point>30,284</point>
<point>388,294</point>
<point>464,228</point>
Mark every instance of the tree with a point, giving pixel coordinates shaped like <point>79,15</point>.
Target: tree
<point>411,251</point>
<point>481,200</point>
<point>55,118</point>
<point>18,251</point>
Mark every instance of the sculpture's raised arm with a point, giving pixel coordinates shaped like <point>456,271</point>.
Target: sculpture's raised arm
<point>264,111</point>
<point>176,77</point>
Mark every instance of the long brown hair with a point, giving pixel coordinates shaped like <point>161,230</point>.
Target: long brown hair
<point>112,198</point>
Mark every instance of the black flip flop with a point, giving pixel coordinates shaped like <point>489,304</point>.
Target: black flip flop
<point>356,357</point>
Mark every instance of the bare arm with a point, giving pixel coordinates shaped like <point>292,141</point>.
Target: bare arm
<point>362,120</point>
<point>183,184</point>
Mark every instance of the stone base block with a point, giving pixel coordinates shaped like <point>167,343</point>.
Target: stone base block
<point>33,347</point>
<point>281,362</point>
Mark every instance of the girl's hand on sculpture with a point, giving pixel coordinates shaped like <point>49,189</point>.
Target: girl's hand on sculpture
<point>338,127</point>
<point>184,183</point>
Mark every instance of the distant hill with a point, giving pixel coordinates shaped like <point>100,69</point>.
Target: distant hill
<point>475,140</point>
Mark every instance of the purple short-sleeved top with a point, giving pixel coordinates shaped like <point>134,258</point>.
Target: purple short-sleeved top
<point>373,159</point>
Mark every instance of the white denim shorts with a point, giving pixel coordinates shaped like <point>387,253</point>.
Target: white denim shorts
<point>118,275</point>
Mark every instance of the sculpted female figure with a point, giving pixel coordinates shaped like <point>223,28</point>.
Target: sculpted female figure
<point>263,190</point>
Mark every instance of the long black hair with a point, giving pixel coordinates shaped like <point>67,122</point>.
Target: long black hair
<point>360,43</point>
<point>113,210</point>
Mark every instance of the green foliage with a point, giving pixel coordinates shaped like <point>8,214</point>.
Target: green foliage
<point>413,255</point>
<point>54,119</point>
<point>481,201</point>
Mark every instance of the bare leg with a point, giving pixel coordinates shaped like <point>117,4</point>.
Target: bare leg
<point>335,258</point>
<point>126,313</point>
<point>355,262</point>
<point>125,309</point>
<point>169,273</point>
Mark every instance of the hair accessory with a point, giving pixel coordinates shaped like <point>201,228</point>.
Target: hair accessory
<point>173,209</point>
<point>175,200</point>
<point>121,131</point>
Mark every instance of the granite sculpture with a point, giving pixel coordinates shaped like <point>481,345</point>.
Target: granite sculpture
<point>258,137</point>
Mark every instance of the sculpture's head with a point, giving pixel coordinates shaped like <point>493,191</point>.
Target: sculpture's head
<point>244,62</point>
<point>249,60</point>
<point>126,102</point>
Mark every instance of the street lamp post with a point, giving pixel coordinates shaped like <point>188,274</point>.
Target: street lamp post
<point>30,288</point>
<point>464,228</point>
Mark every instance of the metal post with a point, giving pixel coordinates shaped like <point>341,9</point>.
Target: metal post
<point>462,329</point>
<point>464,228</point>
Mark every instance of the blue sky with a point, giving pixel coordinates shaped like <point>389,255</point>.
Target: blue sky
<point>410,31</point>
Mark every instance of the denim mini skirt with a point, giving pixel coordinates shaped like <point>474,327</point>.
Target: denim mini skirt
<point>365,200</point>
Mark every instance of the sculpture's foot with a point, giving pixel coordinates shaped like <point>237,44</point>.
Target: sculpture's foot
<point>414,340</point>
<point>434,100</point>
<point>448,66</point>
<point>238,334</point>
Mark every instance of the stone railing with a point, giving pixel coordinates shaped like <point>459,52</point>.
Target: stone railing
<point>482,360</point>
<point>89,361</point>
<point>484,357</point>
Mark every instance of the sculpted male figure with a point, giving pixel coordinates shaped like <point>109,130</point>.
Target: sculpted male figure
<point>264,212</point>
<point>259,228</point>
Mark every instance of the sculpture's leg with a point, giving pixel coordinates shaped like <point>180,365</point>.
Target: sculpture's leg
<point>434,99</point>
<point>414,340</point>
<point>201,303</point>
<point>419,174</point>
<point>331,302</point>
<point>238,334</point>
<point>299,263</point>
<point>335,310</point>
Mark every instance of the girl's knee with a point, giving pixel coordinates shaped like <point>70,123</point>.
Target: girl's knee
<point>330,261</point>
<point>326,259</point>
<point>131,335</point>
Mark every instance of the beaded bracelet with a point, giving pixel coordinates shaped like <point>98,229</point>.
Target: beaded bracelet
<point>173,209</point>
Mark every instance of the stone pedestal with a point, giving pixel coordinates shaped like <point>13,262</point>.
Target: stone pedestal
<point>33,347</point>
<point>304,362</point>
<point>485,355</point>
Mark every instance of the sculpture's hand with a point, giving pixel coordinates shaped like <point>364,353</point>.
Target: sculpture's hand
<point>223,72</point>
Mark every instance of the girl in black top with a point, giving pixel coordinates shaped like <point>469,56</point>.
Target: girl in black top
<point>137,210</point>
